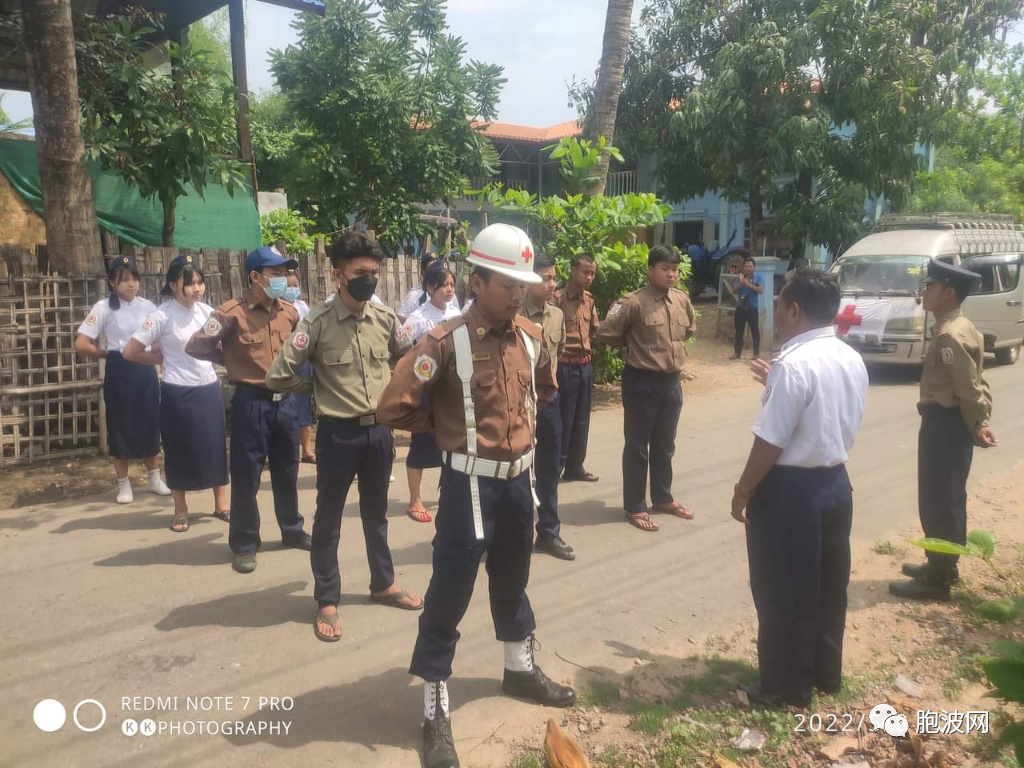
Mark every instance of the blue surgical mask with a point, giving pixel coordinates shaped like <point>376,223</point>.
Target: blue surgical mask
<point>292,294</point>
<point>276,287</point>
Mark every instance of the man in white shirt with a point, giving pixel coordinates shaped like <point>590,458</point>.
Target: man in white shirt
<point>795,496</point>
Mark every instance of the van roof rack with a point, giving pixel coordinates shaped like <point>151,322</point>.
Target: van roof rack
<point>974,233</point>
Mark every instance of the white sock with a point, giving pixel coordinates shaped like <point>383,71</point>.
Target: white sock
<point>519,655</point>
<point>435,697</point>
<point>123,481</point>
<point>154,476</point>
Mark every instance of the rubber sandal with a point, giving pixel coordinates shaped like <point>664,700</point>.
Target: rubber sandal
<point>223,514</point>
<point>676,509</point>
<point>419,515</point>
<point>398,600</point>
<point>333,620</point>
<point>178,522</point>
<point>642,520</point>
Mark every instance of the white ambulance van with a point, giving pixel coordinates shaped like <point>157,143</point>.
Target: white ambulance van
<point>881,279</point>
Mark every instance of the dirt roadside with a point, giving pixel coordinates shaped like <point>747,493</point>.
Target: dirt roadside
<point>912,656</point>
<point>44,482</point>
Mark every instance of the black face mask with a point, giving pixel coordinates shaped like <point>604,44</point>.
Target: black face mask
<point>362,288</point>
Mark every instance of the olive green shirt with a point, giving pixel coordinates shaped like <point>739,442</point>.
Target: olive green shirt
<point>953,374</point>
<point>552,324</point>
<point>350,355</point>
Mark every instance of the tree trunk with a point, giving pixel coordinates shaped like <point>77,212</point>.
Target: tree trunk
<point>609,82</point>
<point>170,206</point>
<point>72,232</point>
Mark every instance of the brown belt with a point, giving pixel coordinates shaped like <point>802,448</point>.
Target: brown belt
<point>575,360</point>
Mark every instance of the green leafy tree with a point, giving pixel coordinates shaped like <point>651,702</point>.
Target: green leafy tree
<point>162,130</point>
<point>274,134</point>
<point>804,109</point>
<point>289,226</point>
<point>384,98</point>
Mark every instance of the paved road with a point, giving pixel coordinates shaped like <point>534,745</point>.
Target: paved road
<point>103,603</point>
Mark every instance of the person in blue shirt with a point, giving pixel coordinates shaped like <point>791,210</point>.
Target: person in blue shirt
<point>747,287</point>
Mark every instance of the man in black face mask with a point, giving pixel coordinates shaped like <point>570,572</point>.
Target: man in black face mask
<point>350,343</point>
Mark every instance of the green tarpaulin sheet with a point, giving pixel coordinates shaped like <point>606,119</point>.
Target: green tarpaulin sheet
<point>218,221</point>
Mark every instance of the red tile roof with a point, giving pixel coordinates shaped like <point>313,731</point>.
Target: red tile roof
<point>513,132</point>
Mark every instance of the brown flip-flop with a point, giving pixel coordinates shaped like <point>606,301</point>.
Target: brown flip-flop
<point>333,620</point>
<point>675,508</point>
<point>400,599</point>
<point>643,521</point>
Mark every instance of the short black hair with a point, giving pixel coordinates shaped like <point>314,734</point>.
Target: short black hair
<point>115,274</point>
<point>663,254</point>
<point>484,273</point>
<point>815,291</point>
<point>354,245</point>
<point>427,259</point>
<point>582,258</point>
<point>749,259</point>
<point>187,272</point>
<point>542,261</point>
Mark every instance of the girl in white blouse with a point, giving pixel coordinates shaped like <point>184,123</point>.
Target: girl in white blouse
<point>439,285</point>
<point>191,403</point>
<point>131,392</point>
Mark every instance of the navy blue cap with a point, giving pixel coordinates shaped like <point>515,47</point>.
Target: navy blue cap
<point>180,261</point>
<point>941,272</point>
<point>120,261</point>
<point>268,256</point>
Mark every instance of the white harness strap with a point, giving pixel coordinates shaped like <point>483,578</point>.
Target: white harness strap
<point>531,351</point>
<point>464,369</point>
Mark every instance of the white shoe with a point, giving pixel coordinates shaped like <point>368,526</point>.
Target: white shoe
<point>392,479</point>
<point>124,492</point>
<point>157,484</point>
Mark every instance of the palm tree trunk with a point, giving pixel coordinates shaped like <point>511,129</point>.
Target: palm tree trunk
<point>609,82</point>
<point>72,232</point>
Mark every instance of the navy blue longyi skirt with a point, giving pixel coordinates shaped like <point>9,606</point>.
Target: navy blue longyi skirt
<point>192,426</point>
<point>131,393</point>
<point>423,451</point>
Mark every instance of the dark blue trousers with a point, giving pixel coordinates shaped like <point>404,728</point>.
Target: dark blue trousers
<point>798,546</point>
<point>344,450</point>
<point>651,403</point>
<point>507,507</point>
<point>262,429</point>
<point>547,465</point>
<point>575,394</point>
<point>945,451</point>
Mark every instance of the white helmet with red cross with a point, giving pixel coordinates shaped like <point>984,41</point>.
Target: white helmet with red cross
<point>506,250</point>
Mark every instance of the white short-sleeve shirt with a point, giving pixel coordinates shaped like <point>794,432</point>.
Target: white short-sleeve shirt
<point>414,300</point>
<point>172,325</point>
<point>814,400</point>
<point>426,317</point>
<point>301,307</point>
<point>116,326</point>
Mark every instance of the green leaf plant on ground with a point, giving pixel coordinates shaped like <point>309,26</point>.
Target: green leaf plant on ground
<point>1006,673</point>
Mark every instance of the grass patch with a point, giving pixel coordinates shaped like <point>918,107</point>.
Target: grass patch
<point>966,669</point>
<point>529,760</point>
<point>600,693</point>
<point>648,718</point>
<point>888,548</point>
<point>719,678</point>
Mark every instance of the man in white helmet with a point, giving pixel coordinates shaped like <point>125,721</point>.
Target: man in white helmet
<point>477,380</point>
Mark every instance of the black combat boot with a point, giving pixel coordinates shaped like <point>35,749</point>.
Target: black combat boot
<point>535,685</point>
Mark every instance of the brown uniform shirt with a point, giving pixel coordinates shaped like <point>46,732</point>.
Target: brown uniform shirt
<point>653,327</point>
<point>552,323</point>
<point>953,370</point>
<point>350,355</point>
<point>581,322</point>
<point>426,394</point>
<point>245,335</point>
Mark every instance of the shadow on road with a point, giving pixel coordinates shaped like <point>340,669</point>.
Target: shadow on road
<point>420,553</point>
<point>136,520</point>
<point>893,375</point>
<point>186,550</point>
<point>264,608</point>
<point>590,513</point>
<point>383,710</point>
<point>25,519</point>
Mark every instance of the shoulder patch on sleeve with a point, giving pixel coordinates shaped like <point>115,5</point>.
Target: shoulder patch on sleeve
<point>300,340</point>
<point>947,355</point>
<point>402,332</point>
<point>147,324</point>
<point>92,319</point>
<point>424,368</point>
<point>212,327</point>
<point>614,309</point>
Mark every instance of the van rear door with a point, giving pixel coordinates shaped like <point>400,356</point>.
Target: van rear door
<point>995,306</point>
